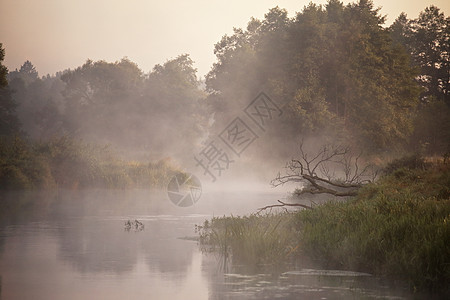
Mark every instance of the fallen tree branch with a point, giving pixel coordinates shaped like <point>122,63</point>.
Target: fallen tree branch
<point>283,205</point>
<point>334,170</point>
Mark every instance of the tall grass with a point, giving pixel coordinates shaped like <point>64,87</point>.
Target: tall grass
<point>401,234</point>
<point>255,240</point>
<point>398,227</point>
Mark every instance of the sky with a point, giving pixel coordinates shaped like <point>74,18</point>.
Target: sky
<point>59,34</point>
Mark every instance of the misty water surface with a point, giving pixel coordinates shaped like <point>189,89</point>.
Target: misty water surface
<point>73,245</point>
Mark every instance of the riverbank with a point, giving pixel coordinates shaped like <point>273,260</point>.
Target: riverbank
<point>398,227</point>
<point>64,162</point>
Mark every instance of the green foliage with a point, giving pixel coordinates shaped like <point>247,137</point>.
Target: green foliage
<point>3,69</point>
<point>113,103</point>
<point>432,128</point>
<point>40,106</point>
<point>335,66</point>
<point>67,163</point>
<point>398,227</point>
<point>9,123</point>
<point>117,104</point>
<point>20,167</point>
<point>254,240</point>
<point>426,38</point>
<point>27,73</point>
<point>412,162</point>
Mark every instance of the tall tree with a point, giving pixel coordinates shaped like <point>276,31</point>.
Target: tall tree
<point>9,123</point>
<point>39,101</point>
<point>3,69</point>
<point>150,113</point>
<point>94,95</point>
<point>431,50</point>
<point>174,106</point>
<point>427,39</point>
<point>335,66</point>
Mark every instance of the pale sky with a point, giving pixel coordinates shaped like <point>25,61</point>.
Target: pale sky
<point>59,34</point>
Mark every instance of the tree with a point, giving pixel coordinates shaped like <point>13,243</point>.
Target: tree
<point>336,68</point>
<point>9,123</point>
<point>27,73</point>
<point>3,69</point>
<point>432,129</point>
<point>153,113</point>
<point>39,101</point>
<point>98,95</point>
<point>431,50</point>
<point>333,169</point>
<point>426,38</point>
<point>172,93</point>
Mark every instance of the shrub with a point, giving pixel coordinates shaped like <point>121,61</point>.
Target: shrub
<point>65,162</point>
<point>411,162</point>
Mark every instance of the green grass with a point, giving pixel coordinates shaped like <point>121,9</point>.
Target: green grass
<point>256,240</point>
<point>395,233</point>
<point>398,227</point>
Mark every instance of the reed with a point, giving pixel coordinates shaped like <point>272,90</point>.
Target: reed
<point>398,227</point>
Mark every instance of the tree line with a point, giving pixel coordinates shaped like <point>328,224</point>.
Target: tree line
<point>341,72</point>
<point>344,74</point>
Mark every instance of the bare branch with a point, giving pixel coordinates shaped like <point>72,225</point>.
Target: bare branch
<point>317,172</point>
<point>283,205</point>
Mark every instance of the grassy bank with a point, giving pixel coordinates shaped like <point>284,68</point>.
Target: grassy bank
<point>255,240</point>
<point>67,163</point>
<point>398,227</point>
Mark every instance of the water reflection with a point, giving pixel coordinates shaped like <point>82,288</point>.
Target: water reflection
<point>73,245</point>
<point>48,240</point>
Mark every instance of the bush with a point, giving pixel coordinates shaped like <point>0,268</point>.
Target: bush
<point>411,162</point>
<point>20,167</point>
<point>67,163</point>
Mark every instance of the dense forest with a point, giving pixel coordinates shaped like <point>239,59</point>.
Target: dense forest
<point>341,72</point>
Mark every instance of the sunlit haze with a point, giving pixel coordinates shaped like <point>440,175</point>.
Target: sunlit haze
<point>56,35</point>
<point>205,149</point>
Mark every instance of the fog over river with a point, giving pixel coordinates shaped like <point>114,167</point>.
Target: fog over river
<point>74,245</point>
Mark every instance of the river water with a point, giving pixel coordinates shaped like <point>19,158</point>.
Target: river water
<point>74,245</point>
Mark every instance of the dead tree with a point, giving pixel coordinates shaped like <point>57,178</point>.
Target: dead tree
<point>334,170</point>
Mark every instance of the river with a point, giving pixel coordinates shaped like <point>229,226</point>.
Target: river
<point>74,245</point>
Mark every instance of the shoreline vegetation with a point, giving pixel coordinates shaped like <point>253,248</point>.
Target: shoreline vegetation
<point>63,162</point>
<point>398,227</point>
<point>344,76</point>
